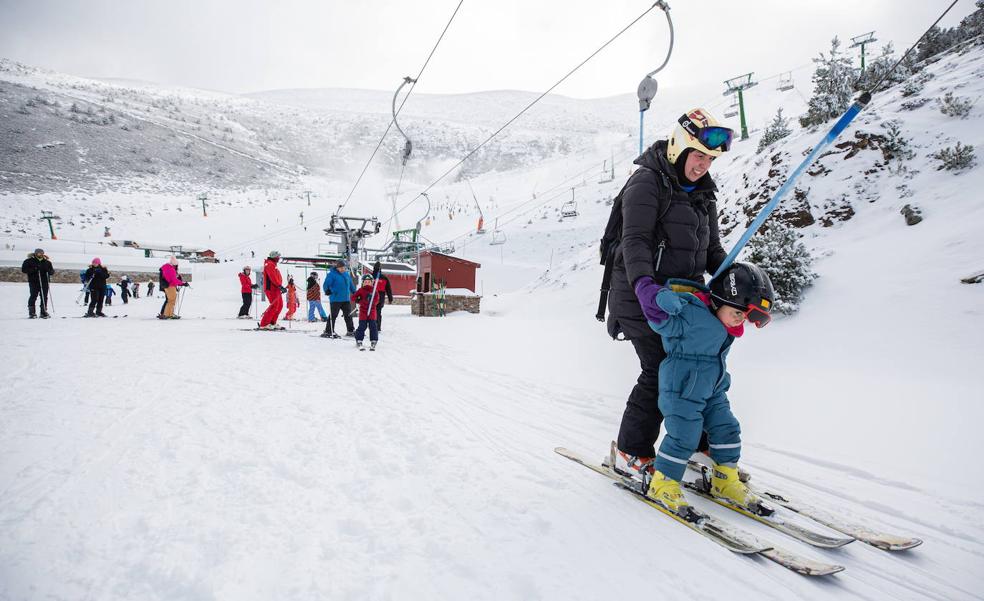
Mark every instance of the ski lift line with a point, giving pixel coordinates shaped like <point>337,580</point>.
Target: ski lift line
<point>397,112</point>
<point>911,48</point>
<point>856,107</point>
<point>374,152</point>
<point>534,102</point>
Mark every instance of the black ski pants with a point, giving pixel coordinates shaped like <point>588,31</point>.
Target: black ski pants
<point>247,303</point>
<point>642,418</point>
<point>379,316</point>
<point>38,291</point>
<point>346,309</point>
<point>97,297</point>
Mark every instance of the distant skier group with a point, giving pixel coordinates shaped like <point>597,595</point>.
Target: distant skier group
<point>339,285</point>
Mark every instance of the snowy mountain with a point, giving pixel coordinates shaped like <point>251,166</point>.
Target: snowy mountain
<point>190,460</point>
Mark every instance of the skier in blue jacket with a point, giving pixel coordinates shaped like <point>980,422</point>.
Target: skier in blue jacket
<point>698,329</point>
<point>339,287</point>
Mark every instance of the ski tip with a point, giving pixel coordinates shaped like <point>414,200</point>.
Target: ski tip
<point>912,543</point>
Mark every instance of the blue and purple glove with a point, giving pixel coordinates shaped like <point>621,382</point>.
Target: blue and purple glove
<point>646,290</point>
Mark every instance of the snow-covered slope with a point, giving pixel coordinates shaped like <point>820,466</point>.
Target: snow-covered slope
<point>189,460</point>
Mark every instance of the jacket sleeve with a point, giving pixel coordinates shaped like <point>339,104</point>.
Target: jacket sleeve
<point>352,288</point>
<point>50,269</point>
<point>389,292</point>
<point>674,324</point>
<point>27,268</point>
<point>715,252</point>
<point>326,286</point>
<point>640,212</point>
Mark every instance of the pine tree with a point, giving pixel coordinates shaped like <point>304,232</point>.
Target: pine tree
<point>777,130</point>
<point>877,68</point>
<point>781,254</point>
<point>833,82</point>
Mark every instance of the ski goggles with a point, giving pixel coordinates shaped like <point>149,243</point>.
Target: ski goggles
<point>757,316</point>
<point>713,137</point>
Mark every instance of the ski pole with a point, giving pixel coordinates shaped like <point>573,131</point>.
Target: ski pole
<point>177,311</point>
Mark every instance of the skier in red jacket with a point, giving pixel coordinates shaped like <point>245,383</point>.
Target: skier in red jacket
<point>273,286</point>
<point>246,287</point>
<point>368,315</point>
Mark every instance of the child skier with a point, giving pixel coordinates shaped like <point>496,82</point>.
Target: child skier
<point>367,313</point>
<point>292,302</point>
<point>246,288</point>
<point>314,298</point>
<point>697,330</point>
<point>109,294</point>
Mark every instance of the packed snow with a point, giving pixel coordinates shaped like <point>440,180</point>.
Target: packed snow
<point>198,459</point>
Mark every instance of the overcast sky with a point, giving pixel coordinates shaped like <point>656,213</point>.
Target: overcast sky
<point>252,45</point>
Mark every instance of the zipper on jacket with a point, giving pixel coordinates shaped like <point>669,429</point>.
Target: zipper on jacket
<point>659,255</point>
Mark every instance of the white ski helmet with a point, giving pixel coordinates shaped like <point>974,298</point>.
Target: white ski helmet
<point>700,130</point>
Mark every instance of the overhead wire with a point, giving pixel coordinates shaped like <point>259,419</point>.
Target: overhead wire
<point>371,156</point>
<point>523,111</point>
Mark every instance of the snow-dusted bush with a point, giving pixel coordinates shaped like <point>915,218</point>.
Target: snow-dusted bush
<point>912,87</point>
<point>954,106</point>
<point>955,158</point>
<point>781,254</point>
<point>896,145</point>
<point>776,130</point>
<point>833,86</point>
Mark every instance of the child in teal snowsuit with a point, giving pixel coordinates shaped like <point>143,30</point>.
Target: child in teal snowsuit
<point>693,382</point>
<point>698,329</point>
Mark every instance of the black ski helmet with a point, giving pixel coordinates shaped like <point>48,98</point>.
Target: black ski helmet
<point>746,287</point>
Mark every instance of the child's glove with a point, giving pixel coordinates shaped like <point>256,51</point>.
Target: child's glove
<point>646,290</point>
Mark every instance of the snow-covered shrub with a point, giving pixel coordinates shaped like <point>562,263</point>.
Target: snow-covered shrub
<point>896,145</point>
<point>833,86</point>
<point>781,254</point>
<point>954,106</point>
<point>912,87</point>
<point>776,130</point>
<point>955,158</point>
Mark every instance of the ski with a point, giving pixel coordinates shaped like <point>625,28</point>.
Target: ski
<point>282,330</point>
<point>880,540</point>
<point>730,538</point>
<point>774,520</point>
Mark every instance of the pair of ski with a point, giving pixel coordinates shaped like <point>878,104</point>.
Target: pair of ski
<point>739,541</point>
<point>276,329</point>
<point>883,541</point>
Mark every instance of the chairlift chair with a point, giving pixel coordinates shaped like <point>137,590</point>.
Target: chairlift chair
<point>569,209</point>
<point>498,236</point>
<point>785,82</point>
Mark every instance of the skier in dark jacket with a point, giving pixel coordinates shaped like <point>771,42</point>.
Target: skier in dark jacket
<point>669,230</point>
<point>96,275</point>
<point>125,289</point>
<point>39,270</point>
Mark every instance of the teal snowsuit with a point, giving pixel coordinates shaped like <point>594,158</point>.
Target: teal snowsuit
<point>693,384</point>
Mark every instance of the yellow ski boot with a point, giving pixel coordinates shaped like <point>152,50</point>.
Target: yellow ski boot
<point>725,484</point>
<point>668,493</point>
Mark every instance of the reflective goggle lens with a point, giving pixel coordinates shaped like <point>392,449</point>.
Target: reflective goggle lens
<point>716,137</point>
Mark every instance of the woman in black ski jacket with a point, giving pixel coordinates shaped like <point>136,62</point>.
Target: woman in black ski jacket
<point>669,230</point>
<point>96,275</point>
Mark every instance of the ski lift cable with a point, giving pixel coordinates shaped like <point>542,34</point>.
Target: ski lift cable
<point>856,107</point>
<point>376,150</point>
<point>397,111</point>
<point>531,104</point>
